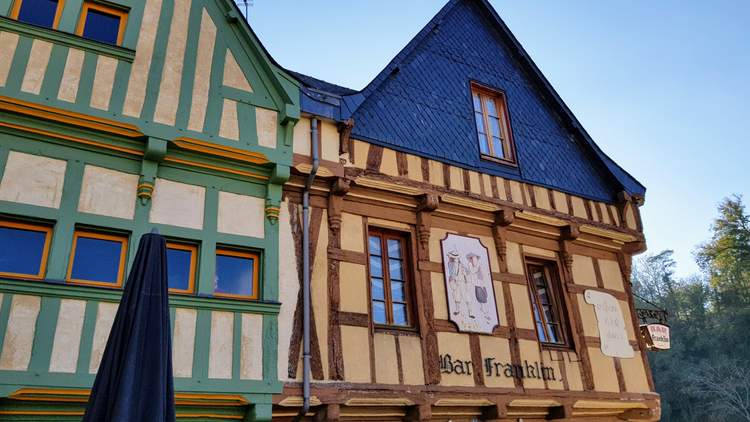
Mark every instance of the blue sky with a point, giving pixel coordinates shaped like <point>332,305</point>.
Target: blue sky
<point>662,87</point>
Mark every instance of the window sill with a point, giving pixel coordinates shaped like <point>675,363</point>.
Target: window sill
<point>60,289</point>
<point>396,330</point>
<point>67,39</point>
<point>503,161</point>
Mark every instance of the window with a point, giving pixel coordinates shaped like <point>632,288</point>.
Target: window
<point>97,259</point>
<point>23,249</point>
<point>546,301</point>
<point>493,124</point>
<point>181,267</point>
<point>236,274</point>
<point>389,290</point>
<point>44,13</point>
<point>102,23</point>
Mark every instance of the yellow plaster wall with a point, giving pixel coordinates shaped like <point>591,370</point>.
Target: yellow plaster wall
<point>583,271</point>
<point>551,360</point>
<point>605,214</point>
<point>530,354</point>
<point>541,195</point>
<point>378,222</point>
<point>457,178</point>
<point>456,345</point>
<point>515,192</point>
<point>498,348</point>
<point>329,139</point>
<point>436,173</point>
<point>386,362</point>
<point>611,275</point>
<point>634,374</point>
<point>474,184</point>
<point>573,371</point>
<point>414,167</point>
<point>628,319</point>
<point>439,296</point>
<point>487,181</point>
<point>352,232</point>
<point>561,203</point>
<point>501,188</point>
<point>301,137</point>
<point>630,217</point>
<point>588,317</point>
<point>615,214</point>
<point>579,208</point>
<point>353,288</point>
<point>361,149</point>
<point>500,302</point>
<point>489,243</point>
<point>519,294</point>
<point>411,360</point>
<point>603,368</point>
<point>319,289</point>
<point>355,344</point>
<point>388,164</point>
<point>436,235</point>
<point>513,255</point>
<point>532,250</point>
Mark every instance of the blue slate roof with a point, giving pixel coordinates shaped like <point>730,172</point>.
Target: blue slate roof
<point>421,104</point>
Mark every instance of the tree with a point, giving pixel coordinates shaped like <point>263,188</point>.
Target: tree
<point>725,388</point>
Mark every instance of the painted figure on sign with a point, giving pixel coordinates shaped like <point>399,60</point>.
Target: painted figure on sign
<point>475,278</point>
<point>457,280</point>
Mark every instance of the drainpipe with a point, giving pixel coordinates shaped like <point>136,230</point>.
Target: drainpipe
<point>306,272</point>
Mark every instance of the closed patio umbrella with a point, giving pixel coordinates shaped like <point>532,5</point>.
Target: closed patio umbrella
<point>134,381</point>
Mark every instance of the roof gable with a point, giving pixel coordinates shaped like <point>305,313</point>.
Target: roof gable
<point>420,103</point>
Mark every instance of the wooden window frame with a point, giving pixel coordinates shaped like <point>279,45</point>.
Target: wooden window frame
<point>193,249</point>
<point>405,238</point>
<point>16,10</point>
<point>501,104</point>
<point>47,230</point>
<point>229,251</point>
<point>110,10</point>
<point>123,239</point>
<point>555,287</point>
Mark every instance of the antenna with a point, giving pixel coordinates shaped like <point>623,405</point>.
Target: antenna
<point>246,4</point>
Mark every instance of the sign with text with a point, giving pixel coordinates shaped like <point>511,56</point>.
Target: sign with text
<point>657,336</point>
<point>612,332</point>
<point>468,284</point>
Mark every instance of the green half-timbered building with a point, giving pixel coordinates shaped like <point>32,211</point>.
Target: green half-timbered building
<point>117,117</point>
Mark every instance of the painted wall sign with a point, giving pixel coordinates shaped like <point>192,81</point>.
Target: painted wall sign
<point>495,368</point>
<point>468,284</point>
<point>612,332</point>
<point>657,336</point>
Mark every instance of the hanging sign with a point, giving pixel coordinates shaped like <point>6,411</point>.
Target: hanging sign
<point>656,336</point>
<point>612,332</point>
<point>468,284</point>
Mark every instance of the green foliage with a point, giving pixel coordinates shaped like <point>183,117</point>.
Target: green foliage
<point>706,375</point>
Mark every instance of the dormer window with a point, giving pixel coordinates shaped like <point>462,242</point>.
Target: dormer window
<point>493,125</point>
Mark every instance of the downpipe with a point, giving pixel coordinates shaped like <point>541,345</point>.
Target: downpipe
<point>306,272</point>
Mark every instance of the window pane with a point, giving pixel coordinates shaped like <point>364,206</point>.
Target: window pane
<point>234,275</point>
<point>376,267</point>
<point>101,26</point>
<point>484,147</point>
<point>397,291</point>
<point>540,330</point>
<point>480,122</point>
<point>399,314</point>
<point>378,312</point>
<point>38,12</point>
<point>375,245</point>
<point>96,260</point>
<point>395,270</point>
<point>178,268</point>
<point>491,108</point>
<point>497,144</point>
<point>554,333</point>
<point>378,292</point>
<point>21,251</point>
<point>495,127</point>
<point>477,102</point>
<point>394,248</point>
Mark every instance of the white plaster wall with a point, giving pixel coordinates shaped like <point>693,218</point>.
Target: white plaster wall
<point>105,316</point>
<point>266,122</point>
<point>241,214</point>
<point>19,334</point>
<point>220,350</point>
<point>177,204</point>
<point>33,179</point>
<point>65,346</point>
<point>288,290</point>
<point>251,354</point>
<point>108,192</point>
<point>183,342</point>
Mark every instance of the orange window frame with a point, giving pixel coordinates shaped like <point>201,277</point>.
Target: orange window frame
<point>97,235</point>
<point>17,9</point>
<point>45,253</point>
<point>256,272</point>
<point>506,135</point>
<point>89,5</point>
<point>193,249</point>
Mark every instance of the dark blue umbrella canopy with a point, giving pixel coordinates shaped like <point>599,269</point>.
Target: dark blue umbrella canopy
<point>134,381</point>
